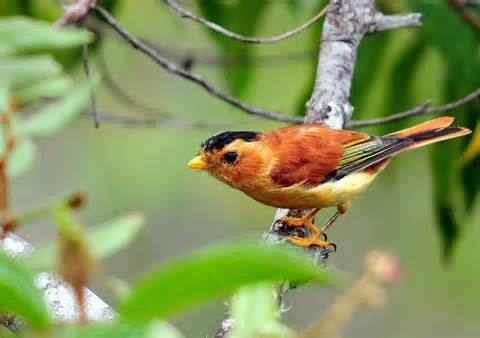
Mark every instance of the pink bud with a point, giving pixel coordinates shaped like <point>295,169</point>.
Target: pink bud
<point>383,266</point>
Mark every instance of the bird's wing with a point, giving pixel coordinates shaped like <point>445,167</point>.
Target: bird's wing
<point>361,155</point>
<point>313,154</point>
<point>307,154</point>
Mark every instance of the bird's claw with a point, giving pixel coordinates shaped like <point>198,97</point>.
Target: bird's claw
<point>293,221</point>
<point>312,242</point>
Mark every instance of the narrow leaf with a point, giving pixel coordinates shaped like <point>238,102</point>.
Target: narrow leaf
<point>24,35</point>
<point>59,114</point>
<point>21,71</point>
<point>21,158</point>
<point>213,272</point>
<point>473,149</point>
<point>18,294</point>
<point>49,88</point>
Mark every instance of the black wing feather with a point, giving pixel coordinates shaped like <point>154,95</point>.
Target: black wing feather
<point>362,155</point>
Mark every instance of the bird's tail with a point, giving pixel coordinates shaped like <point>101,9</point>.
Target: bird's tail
<point>432,131</point>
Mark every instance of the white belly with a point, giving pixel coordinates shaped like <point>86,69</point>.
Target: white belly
<point>341,191</point>
<point>327,194</point>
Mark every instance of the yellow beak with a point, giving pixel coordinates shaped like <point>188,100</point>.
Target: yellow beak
<point>198,162</point>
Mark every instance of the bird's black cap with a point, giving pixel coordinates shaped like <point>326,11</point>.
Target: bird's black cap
<point>221,140</point>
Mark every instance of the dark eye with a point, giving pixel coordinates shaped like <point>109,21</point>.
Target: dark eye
<point>229,157</point>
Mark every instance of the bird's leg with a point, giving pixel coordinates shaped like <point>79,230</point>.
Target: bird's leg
<point>306,221</point>
<point>341,209</point>
<point>316,233</point>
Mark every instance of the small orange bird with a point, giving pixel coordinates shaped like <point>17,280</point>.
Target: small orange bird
<point>310,166</point>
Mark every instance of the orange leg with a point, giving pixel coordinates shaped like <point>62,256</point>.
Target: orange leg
<point>306,220</point>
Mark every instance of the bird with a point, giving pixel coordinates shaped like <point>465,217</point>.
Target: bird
<point>310,166</point>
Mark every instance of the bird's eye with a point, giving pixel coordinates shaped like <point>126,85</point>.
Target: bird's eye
<point>230,157</point>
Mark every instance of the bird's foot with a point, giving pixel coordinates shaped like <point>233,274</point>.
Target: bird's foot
<point>312,241</point>
<point>299,222</point>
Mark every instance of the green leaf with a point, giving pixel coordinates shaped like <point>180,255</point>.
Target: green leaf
<point>115,235</point>
<point>103,241</point>
<point>256,313</point>
<point>49,88</point>
<point>18,294</point>
<point>58,115</point>
<point>23,35</point>
<point>213,272</point>
<point>441,26</point>
<point>21,71</point>
<point>120,330</point>
<point>21,158</point>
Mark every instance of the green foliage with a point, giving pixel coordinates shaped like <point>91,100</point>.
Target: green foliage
<point>58,115</point>
<point>50,11</point>
<point>28,73</point>
<point>22,71</point>
<point>19,35</point>
<point>19,295</point>
<point>214,272</point>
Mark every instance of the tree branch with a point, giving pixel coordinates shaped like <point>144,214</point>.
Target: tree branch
<point>76,12</point>
<point>423,109</point>
<point>347,22</point>
<point>184,13</point>
<point>197,79</point>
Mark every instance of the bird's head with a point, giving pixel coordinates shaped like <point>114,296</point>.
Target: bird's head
<point>234,157</point>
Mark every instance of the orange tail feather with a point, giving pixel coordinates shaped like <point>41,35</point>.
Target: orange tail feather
<point>432,131</point>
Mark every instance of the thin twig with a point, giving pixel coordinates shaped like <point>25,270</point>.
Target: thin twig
<point>184,13</point>
<point>204,57</point>
<point>9,141</point>
<point>166,121</point>
<point>93,103</point>
<point>423,109</point>
<point>175,69</point>
<point>468,16</point>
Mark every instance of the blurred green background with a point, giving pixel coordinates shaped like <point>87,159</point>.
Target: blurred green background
<point>143,169</point>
